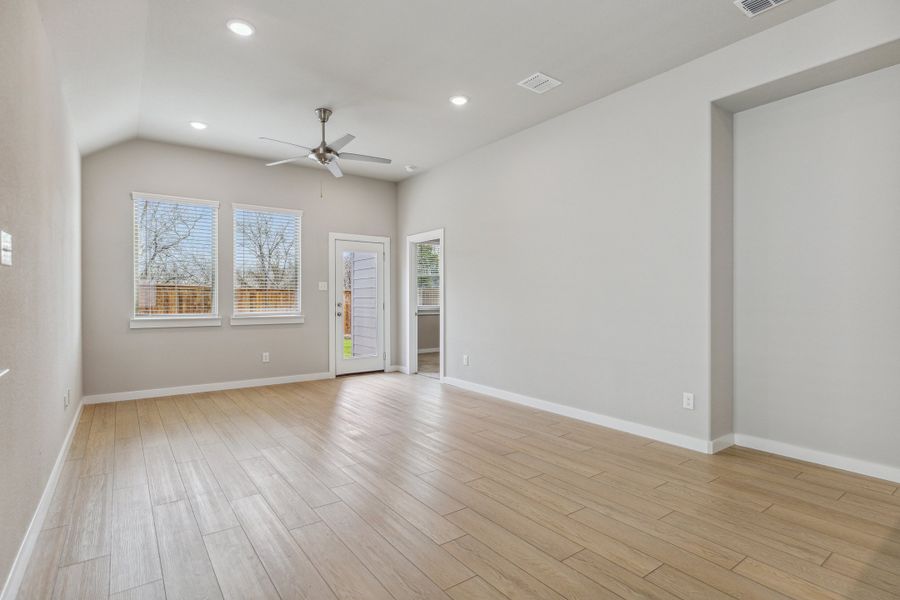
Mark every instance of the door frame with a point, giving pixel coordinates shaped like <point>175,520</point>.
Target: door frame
<point>412,305</point>
<point>332,294</point>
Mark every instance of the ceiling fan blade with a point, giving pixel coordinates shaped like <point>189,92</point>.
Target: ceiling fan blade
<point>364,158</point>
<point>334,168</point>
<point>287,160</point>
<point>341,142</point>
<point>288,143</point>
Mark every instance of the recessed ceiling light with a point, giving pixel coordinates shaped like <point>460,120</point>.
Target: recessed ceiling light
<point>411,168</point>
<point>459,100</point>
<point>198,125</point>
<point>241,28</point>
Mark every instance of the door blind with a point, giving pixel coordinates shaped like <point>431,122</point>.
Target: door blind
<point>428,280</point>
<point>266,261</point>
<point>175,256</point>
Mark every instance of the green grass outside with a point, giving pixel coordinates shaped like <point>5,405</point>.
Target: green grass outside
<point>348,348</point>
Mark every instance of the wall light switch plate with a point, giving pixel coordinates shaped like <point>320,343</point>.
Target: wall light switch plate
<point>5,248</point>
<point>323,286</point>
<point>687,401</point>
<point>466,359</point>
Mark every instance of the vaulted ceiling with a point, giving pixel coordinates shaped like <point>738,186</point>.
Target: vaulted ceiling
<point>387,67</point>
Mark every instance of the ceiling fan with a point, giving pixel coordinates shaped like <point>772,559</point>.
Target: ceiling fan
<point>326,154</point>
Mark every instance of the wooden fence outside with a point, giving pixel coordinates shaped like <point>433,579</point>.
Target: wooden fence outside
<point>197,299</point>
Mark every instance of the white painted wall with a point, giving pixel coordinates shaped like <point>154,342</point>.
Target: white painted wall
<point>119,359</point>
<point>40,295</point>
<point>817,282</point>
<point>608,207</point>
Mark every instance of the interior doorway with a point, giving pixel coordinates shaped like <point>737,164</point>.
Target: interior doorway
<point>425,252</point>
<point>360,297</point>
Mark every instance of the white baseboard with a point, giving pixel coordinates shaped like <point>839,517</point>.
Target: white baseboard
<point>20,564</point>
<point>846,463</point>
<point>202,387</point>
<point>428,350</point>
<point>720,443</point>
<point>654,433</point>
<point>397,369</point>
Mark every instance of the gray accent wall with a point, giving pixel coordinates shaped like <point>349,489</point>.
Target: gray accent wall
<point>598,225</point>
<point>119,359</point>
<point>40,295</point>
<point>817,269</point>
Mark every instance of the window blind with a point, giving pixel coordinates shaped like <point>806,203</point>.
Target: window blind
<point>428,280</point>
<point>175,256</point>
<point>266,261</point>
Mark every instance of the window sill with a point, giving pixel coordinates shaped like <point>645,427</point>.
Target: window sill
<point>428,311</point>
<point>267,319</point>
<point>168,322</point>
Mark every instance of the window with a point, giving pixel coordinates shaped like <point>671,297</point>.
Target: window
<point>175,259</point>
<point>266,264</point>
<point>428,278</point>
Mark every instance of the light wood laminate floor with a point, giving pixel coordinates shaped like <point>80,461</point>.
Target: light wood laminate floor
<point>390,486</point>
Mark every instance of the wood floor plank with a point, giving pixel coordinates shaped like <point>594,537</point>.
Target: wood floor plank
<point>475,588</point>
<point>148,591</point>
<point>162,474</point>
<point>88,580</point>
<point>134,558</point>
<point>237,567</point>
<point>208,501</point>
<point>343,572</point>
<point>417,547</point>
<point>553,573</point>
<point>291,572</point>
<point>500,573</point>
<point>187,570</point>
<point>89,531</point>
<point>40,576</point>
<point>392,486</point>
<point>298,475</point>
<point>282,498</point>
<point>399,576</point>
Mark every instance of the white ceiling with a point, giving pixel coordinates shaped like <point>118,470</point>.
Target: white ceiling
<point>387,67</point>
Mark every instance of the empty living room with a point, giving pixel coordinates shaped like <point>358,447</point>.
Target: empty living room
<point>401,299</point>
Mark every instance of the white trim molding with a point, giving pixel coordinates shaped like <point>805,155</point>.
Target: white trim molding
<point>332,294</point>
<point>720,443</point>
<point>653,433</point>
<point>171,322</point>
<point>26,548</point>
<point>412,302</point>
<point>819,457</point>
<point>203,387</point>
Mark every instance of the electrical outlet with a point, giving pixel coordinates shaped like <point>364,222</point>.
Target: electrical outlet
<point>687,401</point>
<point>323,286</point>
<point>265,357</point>
<point>466,359</point>
<point>67,399</point>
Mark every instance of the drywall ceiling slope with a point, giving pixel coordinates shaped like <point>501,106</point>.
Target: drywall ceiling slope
<point>146,68</point>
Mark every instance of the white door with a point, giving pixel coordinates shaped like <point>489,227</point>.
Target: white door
<point>359,326</point>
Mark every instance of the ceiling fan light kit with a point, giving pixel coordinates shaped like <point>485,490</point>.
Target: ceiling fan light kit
<point>327,154</point>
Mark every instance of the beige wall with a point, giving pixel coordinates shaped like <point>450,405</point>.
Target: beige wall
<point>40,329</point>
<point>119,359</point>
<point>618,223</point>
<point>428,330</point>
<point>817,283</point>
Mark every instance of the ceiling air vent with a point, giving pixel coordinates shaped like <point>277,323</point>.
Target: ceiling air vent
<point>751,8</point>
<point>539,83</point>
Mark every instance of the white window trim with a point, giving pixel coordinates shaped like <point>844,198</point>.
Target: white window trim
<point>171,321</point>
<point>241,319</point>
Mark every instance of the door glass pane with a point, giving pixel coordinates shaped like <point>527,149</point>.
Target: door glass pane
<point>360,304</point>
